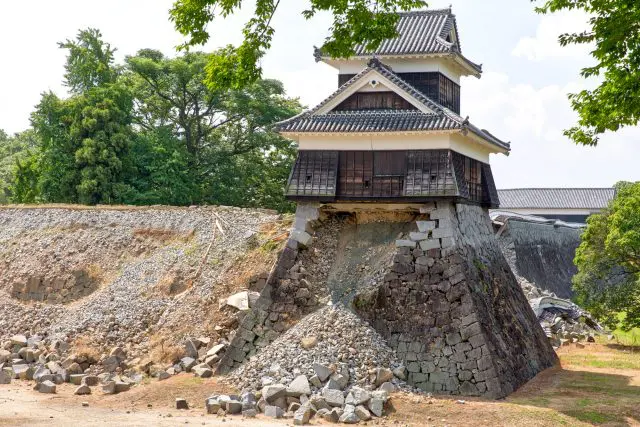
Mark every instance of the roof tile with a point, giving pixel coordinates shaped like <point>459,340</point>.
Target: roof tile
<point>442,118</point>
<point>555,198</point>
<point>421,32</point>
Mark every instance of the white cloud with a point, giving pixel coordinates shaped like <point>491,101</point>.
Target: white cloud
<point>545,43</point>
<point>533,119</point>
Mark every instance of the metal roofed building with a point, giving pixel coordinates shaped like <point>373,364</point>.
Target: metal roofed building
<point>565,204</point>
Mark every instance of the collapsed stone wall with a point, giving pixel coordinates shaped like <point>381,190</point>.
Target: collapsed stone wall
<point>453,310</point>
<point>542,254</point>
<point>447,302</point>
<point>343,256</point>
<point>64,287</point>
<point>140,278</point>
<point>285,297</point>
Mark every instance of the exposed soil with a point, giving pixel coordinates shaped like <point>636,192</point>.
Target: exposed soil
<point>140,278</point>
<point>364,252</point>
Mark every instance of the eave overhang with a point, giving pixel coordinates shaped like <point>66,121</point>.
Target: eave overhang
<point>466,66</point>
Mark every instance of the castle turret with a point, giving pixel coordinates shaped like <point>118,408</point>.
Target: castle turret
<point>395,185</point>
<point>393,132</point>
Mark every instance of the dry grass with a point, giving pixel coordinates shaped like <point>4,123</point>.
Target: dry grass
<point>163,235</point>
<point>163,351</point>
<point>95,273</point>
<point>603,356</point>
<point>171,284</point>
<point>85,348</point>
<point>257,261</point>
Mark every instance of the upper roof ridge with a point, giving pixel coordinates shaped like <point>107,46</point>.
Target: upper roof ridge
<point>420,33</point>
<point>419,12</point>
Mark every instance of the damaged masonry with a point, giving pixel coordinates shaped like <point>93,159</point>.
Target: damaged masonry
<point>388,161</point>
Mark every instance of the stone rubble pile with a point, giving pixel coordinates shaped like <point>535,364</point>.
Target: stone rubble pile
<point>201,358</point>
<point>331,364</point>
<point>133,252</point>
<point>331,335</point>
<point>562,320</point>
<point>297,401</point>
<point>50,363</point>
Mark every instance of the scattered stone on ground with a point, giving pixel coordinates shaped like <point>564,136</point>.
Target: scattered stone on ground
<point>181,403</point>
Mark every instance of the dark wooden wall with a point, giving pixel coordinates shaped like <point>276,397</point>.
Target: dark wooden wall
<point>392,175</point>
<point>375,101</point>
<point>371,174</point>
<point>433,84</point>
<point>314,174</point>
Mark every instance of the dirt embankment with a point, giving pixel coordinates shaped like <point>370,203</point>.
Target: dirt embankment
<point>139,278</point>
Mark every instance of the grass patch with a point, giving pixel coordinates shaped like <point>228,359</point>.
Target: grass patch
<point>597,385</point>
<point>628,338</point>
<point>621,359</point>
<point>592,417</point>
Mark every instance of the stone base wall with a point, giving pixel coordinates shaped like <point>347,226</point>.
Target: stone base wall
<point>544,254</point>
<point>285,298</point>
<point>453,310</point>
<point>448,304</point>
<point>63,288</point>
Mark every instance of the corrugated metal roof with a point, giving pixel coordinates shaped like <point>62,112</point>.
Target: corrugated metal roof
<point>555,198</point>
<point>421,33</point>
<point>442,119</point>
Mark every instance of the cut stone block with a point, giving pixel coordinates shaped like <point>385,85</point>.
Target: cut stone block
<point>301,237</point>
<point>425,245</point>
<point>425,226</point>
<point>440,233</point>
<point>405,243</point>
<point>417,236</point>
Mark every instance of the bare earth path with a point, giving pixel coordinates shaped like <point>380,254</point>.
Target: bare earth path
<point>596,385</point>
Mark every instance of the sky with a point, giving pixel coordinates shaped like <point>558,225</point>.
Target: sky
<point>521,96</point>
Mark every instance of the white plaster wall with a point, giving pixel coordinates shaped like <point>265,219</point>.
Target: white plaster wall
<point>452,141</point>
<point>444,65</point>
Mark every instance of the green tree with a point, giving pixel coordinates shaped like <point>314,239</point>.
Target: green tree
<point>608,260</point>
<point>90,61</point>
<point>157,171</point>
<point>615,32</point>
<point>13,150</point>
<point>100,129</point>
<point>53,160</point>
<point>355,22</point>
<point>82,139</point>
<point>152,132</point>
<point>227,136</point>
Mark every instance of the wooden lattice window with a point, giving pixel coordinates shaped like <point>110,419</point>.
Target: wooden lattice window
<point>314,174</point>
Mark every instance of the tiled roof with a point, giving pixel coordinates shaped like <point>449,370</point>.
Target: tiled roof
<point>555,198</point>
<point>370,121</point>
<point>420,33</point>
<point>356,121</point>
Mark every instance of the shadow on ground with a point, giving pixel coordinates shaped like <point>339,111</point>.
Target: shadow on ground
<point>587,396</point>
